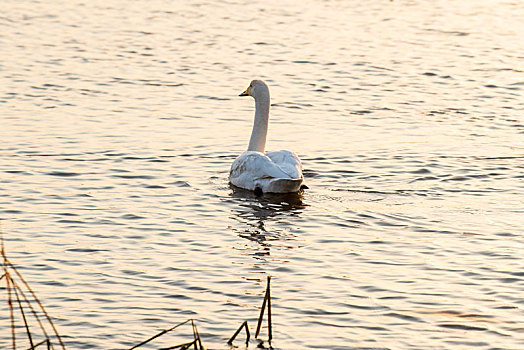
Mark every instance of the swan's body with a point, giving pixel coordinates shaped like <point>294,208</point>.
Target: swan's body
<point>275,172</point>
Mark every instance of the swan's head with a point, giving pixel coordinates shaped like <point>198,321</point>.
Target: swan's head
<point>257,89</point>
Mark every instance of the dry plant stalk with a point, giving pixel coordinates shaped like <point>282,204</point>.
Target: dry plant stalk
<point>196,342</point>
<point>13,289</point>
<point>267,299</point>
<point>248,335</point>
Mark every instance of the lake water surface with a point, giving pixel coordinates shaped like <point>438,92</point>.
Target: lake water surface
<point>120,119</point>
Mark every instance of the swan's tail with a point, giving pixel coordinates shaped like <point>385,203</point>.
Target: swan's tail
<point>284,185</point>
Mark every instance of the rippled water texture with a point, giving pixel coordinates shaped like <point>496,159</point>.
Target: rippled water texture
<point>120,119</point>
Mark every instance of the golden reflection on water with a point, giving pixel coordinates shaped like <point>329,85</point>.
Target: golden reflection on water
<point>120,121</point>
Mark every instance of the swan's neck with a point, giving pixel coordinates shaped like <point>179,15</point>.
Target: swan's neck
<point>259,133</point>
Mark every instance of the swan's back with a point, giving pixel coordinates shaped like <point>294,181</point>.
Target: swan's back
<point>254,170</point>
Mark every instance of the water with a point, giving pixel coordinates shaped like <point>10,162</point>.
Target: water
<point>120,121</point>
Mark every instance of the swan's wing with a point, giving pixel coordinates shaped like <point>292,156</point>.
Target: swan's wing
<point>288,162</point>
<point>251,166</point>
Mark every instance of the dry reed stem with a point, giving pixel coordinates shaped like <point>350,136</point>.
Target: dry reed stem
<point>267,300</point>
<point>45,341</point>
<point>11,311</point>
<point>33,311</point>
<point>197,343</point>
<point>270,332</point>
<point>259,324</point>
<point>194,334</point>
<point>197,335</point>
<point>248,335</point>
<point>23,317</point>
<point>181,346</point>
<point>7,264</point>
<point>8,289</point>
<point>188,345</point>
<point>160,334</point>
<point>39,304</point>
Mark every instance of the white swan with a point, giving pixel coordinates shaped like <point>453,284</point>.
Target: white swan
<point>274,172</point>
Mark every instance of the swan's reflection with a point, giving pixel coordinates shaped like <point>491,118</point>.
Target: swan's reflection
<point>267,219</point>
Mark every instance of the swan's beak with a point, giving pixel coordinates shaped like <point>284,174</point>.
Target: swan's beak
<point>245,93</point>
